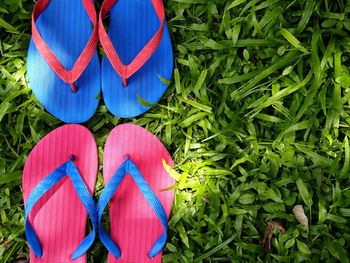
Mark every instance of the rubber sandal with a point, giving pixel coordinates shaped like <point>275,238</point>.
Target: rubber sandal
<point>63,66</point>
<point>139,55</point>
<point>58,181</point>
<point>135,182</point>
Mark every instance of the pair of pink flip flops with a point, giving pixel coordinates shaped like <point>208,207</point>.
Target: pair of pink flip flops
<point>58,184</point>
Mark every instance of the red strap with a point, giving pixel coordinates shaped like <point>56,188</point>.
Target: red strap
<point>126,71</point>
<point>86,55</point>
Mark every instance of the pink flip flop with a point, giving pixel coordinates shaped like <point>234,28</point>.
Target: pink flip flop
<point>140,206</point>
<point>58,182</point>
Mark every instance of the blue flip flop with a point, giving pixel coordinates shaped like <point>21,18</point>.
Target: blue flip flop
<point>63,65</point>
<point>139,55</point>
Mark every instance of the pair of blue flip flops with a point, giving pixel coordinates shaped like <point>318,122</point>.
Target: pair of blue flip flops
<point>66,28</point>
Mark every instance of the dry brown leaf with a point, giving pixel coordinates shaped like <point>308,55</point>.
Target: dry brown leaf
<point>271,227</point>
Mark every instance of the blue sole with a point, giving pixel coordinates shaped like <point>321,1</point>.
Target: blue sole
<point>66,28</point>
<point>132,24</point>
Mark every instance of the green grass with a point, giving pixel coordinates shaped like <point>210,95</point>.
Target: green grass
<point>256,119</point>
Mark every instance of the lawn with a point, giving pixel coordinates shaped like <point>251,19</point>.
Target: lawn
<point>256,118</point>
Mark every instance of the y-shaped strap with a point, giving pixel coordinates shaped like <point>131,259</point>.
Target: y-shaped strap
<point>129,167</point>
<point>69,169</point>
<point>126,71</point>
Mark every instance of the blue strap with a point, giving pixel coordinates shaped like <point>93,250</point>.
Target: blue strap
<point>129,167</point>
<point>68,168</point>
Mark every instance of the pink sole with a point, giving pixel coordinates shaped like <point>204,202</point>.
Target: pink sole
<point>134,225</point>
<point>59,218</point>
